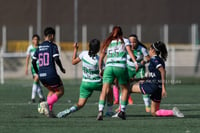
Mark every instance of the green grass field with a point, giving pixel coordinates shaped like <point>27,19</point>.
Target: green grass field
<point>17,115</point>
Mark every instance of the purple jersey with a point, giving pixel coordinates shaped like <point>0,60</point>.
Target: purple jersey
<point>154,73</point>
<point>45,54</point>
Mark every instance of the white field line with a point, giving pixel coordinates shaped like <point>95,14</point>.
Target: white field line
<point>92,104</point>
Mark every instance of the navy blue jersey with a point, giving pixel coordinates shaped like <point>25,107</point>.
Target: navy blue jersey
<point>154,73</point>
<point>45,54</point>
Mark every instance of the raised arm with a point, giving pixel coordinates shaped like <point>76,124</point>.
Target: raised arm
<point>128,48</point>
<point>75,59</point>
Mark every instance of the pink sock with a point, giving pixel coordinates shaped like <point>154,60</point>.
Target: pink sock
<point>163,112</point>
<point>51,100</point>
<point>116,93</point>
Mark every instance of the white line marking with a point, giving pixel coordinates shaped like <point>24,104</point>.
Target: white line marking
<point>92,104</point>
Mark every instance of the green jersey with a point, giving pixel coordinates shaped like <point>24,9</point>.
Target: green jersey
<point>90,67</point>
<point>140,52</point>
<point>30,51</point>
<point>117,54</point>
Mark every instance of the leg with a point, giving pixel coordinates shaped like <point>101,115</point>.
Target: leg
<point>54,96</point>
<point>155,111</point>
<point>104,92</point>
<point>147,102</point>
<point>116,94</point>
<point>34,90</point>
<point>103,95</point>
<point>116,91</point>
<point>79,105</point>
<point>123,103</point>
<point>135,88</point>
<point>39,89</point>
<point>109,111</point>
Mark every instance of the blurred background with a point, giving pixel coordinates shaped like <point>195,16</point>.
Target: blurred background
<point>174,22</point>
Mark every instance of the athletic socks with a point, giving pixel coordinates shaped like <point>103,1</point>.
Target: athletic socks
<point>147,102</point>
<point>101,105</point>
<point>116,94</point>
<point>34,90</point>
<point>73,109</point>
<point>51,100</point>
<point>39,91</point>
<point>123,106</point>
<point>163,112</point>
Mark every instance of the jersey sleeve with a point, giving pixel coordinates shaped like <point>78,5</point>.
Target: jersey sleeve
<point>81,55</point>
<point>55,50</point>
<point>144,51</point>
<point>126,42</point>
<point>35,56</point>
<point>157,63</point>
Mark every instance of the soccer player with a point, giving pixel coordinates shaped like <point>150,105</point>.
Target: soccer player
<point>47,54</point>
<point>36,88</point>
<point>154,85</point>
<point>142,57</point>
<point>115,49</point>
<point>91,80</point>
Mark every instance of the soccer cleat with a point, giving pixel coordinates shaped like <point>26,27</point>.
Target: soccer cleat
<point>109,114</point>
<point>100,116</point>
<point>122,115</point>
<point>115,115</point>
<point>51,115</point>
<point>177,112</point>
<point>45,106</point>
<point>64,113</point>
<point>33,100</point>
<point>41,100</point>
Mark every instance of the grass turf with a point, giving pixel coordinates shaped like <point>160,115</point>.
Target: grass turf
<point>19,116</point>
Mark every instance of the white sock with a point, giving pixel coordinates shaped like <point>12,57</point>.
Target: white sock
<point>39,91</point>
<point>101,107</point>
<point>123,108</point>
<point>147,100</point>
<point>34,90</point>
<point>73,109</point>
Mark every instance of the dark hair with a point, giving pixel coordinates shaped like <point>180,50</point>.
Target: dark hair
<point>115,34</point>
<point>160,49</point>
<point>49,31</point>
<point>94,46</point>
<point>37,36</point>
<point>139,43</point>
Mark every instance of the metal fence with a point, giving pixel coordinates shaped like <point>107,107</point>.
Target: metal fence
<point>182,42</point>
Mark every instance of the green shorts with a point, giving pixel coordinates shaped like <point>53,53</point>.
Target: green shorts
<point>87,88</point>
<point>110,73</point>
<point>133,74</point>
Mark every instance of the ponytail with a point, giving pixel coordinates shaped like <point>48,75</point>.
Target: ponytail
<point>160,49</point>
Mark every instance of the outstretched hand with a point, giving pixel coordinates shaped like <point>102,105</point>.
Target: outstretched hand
<point>76,45</point>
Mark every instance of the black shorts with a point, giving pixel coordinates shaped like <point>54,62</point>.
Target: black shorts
<point>52,83</point>
<point>153,89</point>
